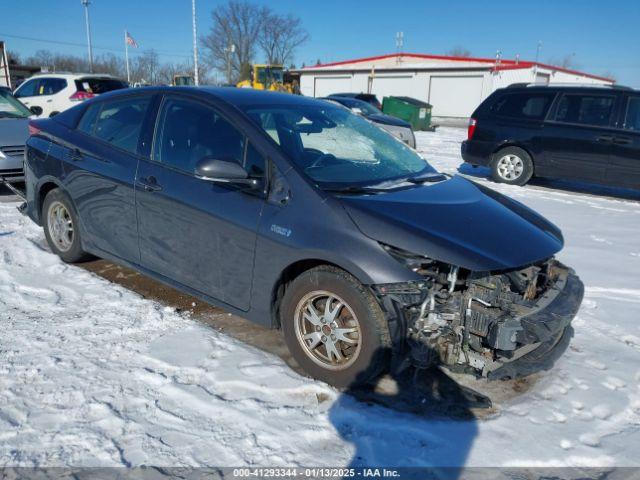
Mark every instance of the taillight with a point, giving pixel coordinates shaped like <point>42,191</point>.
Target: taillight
<point>33,129</point>
<point>80,96</point>
<point>471,129</point>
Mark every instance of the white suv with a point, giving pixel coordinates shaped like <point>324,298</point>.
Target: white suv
<point>55,92</point>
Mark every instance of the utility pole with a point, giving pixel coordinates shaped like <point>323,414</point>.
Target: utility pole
<point>86,19</point>
<point>399,45</point>
<point>535,65</point>
<point>229,50</point>
<point>195,42</point>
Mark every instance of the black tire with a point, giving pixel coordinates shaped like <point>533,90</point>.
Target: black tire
<point>74,252</point>
<point>522,156</point>
<point>374,341</point>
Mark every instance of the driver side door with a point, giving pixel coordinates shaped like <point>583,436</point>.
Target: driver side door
<point>198,233</point>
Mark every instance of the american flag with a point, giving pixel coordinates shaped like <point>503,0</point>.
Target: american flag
<point>129,40</point>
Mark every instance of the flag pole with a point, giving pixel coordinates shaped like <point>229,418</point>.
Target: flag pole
<point>126,56</point>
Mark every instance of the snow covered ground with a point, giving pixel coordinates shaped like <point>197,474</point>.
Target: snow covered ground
<point>92,374</point>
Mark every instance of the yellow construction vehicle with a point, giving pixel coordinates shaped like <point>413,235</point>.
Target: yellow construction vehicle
<point>183,80</point>
<point>266,77</point>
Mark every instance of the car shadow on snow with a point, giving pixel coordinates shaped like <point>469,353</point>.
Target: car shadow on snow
<point>416,418</point>
<point>568,186</point>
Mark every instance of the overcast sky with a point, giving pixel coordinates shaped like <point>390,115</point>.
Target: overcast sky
<point>603,37</point>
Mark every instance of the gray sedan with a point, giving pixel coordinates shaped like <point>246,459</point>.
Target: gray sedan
<point>14,119</point>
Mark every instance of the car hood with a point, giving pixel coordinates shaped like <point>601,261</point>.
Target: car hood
<point>388,120</point>
<point>458,222</point>
<point>14,131</point>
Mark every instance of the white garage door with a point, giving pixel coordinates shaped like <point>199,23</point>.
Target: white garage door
<point>397,85</point>
<point>455,96</point>
<point>324,86</point>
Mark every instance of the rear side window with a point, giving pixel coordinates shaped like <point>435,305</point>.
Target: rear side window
<point>51,86</point>
<point>592,110</point>
<point>87,123</point>
<point>190,131</point>
<point>523,105</point>
<point>99,85</point>
<point>632,116</point>
<point>120,122</point>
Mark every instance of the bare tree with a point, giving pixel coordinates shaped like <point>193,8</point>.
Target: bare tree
<point>610,75</point>
<point>280,36</point>
<point>13,57</point>
<point>145,67</point>
<point>234,35</point>
<point>167,71</point>
<point>111,64</point>
<point>458,51</point>
<point>567,61</point>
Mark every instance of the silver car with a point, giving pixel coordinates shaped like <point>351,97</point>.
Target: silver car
<point>14,130</point>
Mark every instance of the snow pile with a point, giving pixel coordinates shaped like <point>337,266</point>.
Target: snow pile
<point>92,374</point>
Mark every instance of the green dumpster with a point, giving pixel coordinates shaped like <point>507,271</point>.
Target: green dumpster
<point>414,111</point>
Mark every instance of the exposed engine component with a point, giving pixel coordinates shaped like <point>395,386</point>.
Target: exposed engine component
<point>478,321</point>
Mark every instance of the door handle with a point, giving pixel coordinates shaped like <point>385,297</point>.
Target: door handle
<point>75,155</point>
<point>604,138</point>
<point>621,140</point>
<point>149,184</point>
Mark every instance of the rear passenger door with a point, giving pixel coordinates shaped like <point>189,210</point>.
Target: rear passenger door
<point>624,168</point>
<point>578,135</point>
<point>100,165</point>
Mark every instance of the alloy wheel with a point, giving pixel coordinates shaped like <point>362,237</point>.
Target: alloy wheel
<point>510,167</point>
<point>60,226</point>
<point>328,330</point>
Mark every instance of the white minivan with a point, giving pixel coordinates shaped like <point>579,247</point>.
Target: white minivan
<point>49,94</point>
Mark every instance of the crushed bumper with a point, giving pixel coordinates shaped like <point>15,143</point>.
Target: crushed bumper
<point>545,333</point>
<point>500,325</point>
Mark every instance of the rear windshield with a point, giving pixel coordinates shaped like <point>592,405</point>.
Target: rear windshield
<point>523,105</point>
<point>99,85</point>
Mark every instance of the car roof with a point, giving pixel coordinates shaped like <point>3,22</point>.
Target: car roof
<point>235,96</point>
<point>72,75</point>
<point>353,95</point>
<point>565,87</point>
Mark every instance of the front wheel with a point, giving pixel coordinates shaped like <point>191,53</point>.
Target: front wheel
<point>334,327</point>
<point>512,165</point>
<point>61,227</point>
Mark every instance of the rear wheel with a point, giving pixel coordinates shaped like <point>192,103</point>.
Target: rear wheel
<point>512,165</point>
<point>60,222</point>
<point>334,327</point>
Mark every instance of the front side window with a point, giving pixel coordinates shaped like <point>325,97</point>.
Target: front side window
<point>120,122</point>
<point>632,116</point>
<point>592,110</point>
<point>190,131</point>
<point>27,89</point>
<point>336,148</point>
<point>523,105</point>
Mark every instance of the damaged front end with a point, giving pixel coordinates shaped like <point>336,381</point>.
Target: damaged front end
<point>498,324</point>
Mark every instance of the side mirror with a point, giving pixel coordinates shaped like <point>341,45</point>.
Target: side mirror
<point>223,171</point>
<point>36,110</point>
